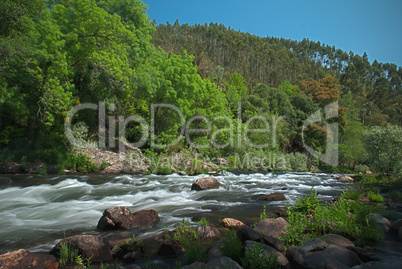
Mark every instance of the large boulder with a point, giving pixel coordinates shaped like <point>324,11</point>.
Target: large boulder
<point>316,253</point>
<point>276,196</point>
<point>231,223</point>
<point>121,218</point>
<point>365,254</point>
<point>170,248</point>
<point>338,240</point>
<point>24,259</point>
<point>94,247</point>
<point>282,260</point>
<point>208,232</point>
<point>223,263</point>
<point>205,183</point>
<point>384,223</point>
<point>396,225</point>
<point>247,233</point>
<point>272,227</point>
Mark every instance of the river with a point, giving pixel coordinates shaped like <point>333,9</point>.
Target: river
<point>39,210</point>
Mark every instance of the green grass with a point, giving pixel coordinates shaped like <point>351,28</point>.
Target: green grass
<point>255,258</point>
<point>203,222</point>
<point>232,246</point>
<point>350,219</point>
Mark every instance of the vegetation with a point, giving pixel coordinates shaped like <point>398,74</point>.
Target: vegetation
<point>232,246</point>
<point>56,55</point>
<point>254,257</point>
<point>69,257</point>
<point>309,219</point>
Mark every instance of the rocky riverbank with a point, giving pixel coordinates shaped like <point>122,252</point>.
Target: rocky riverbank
<point>231,244</point>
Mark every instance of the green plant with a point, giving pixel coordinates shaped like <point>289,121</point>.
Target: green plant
<point>103,166</point>
<point>185,235</point>
<point>375,197</point>
<point>310,202</point>
<point>129,245</point>
<point>42,170</point>
<point>203,222</point>
<point>194,253</point>
<point>263,214</point>
<point>232,246</point>
<point>352,194</point>
<point>69,256</point>
<point>255,258</point>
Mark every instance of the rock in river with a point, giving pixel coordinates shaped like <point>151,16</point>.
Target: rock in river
<point>121,218</point>
<point>205,184</point>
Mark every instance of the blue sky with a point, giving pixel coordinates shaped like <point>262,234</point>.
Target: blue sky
<point>371,26</point>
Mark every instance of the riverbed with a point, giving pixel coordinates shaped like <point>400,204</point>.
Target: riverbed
<point>39,210</point>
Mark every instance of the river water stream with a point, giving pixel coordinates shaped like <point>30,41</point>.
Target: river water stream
<point>39,210</point>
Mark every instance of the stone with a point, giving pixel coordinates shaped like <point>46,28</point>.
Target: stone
<point>121,218</point>
<point>208,232</point>
<point>281,212</point>
<point>272,227</point>
<point>132,256</point>
<point>282,260</point>
<point>94,247</point>
<point>365,254</point>
<point>223,263</point>
<point>215,251</point>
<point>205,184</point>
<point>231,223</point>
<point>170,248</point>
<point>25,259</point>
<point>331,263</point>
<point>338,240</point>
<point>247,233</point>
<point>314,254</point>
<point>345,178</point>
<point>196,265</point>
<point>383,222</point>
<point>276,196</point>
<point>396,225</point>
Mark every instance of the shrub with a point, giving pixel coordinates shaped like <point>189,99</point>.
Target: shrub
<point>203,222</point>
<point>375,197</point>
<point>383,146</point>
<point>232,246</point>
<point>352,194</point>
<point>350,219</point>
<point>310,202</point>
<point>255,258</point>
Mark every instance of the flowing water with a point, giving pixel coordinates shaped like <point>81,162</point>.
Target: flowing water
<point>37,211</point>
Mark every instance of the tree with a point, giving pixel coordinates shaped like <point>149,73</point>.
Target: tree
<point>384,148</point>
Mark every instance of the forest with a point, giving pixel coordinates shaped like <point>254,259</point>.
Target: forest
<point>56,55</point>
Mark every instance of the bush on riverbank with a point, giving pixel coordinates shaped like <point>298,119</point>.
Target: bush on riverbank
<point>310,218</point>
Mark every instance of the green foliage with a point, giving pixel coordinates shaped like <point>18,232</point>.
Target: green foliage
<point>185,235</point>
<point>203,222</point>
<point>254,257</point>
<point>263,214</point>
<point>129,245</point>
<point>375,197</point>
<point>80,163</point>
<point>350,219</point>
<point>353,194</point>
<point>232,246</point>
<point>194,253</point>
<point>69,257</point>
<point>383,146</point>
<point>310,202</point>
